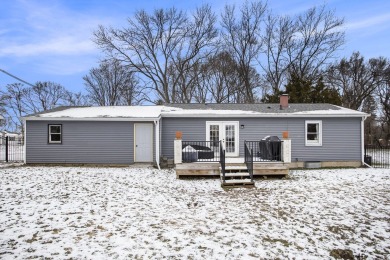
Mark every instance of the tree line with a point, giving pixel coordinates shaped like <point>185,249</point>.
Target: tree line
<point>244,54</point>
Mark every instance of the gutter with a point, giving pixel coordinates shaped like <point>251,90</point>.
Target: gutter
<point>250,115</point>
<point>157,140</point>
<point>25,141</point>
<point>362,138</point>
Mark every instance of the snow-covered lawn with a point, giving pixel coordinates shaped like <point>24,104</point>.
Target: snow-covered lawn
<point>133,213</point>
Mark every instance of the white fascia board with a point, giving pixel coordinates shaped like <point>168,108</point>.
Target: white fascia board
<point>132,119</point>
<point>261,115</point>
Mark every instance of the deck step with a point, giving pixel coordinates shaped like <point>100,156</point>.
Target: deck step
<point>235,168</point>
<point>237,174</point>
<point>238,182</point>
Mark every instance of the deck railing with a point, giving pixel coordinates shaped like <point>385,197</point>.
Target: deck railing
<point>265,151</point>
<point>249,159</point>
<point>222,161</point>
<point>209,151</point>
<point>200,151</point>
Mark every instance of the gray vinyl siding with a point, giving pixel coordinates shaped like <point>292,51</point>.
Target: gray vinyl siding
<point>340,136</point>
<point>103,142</point>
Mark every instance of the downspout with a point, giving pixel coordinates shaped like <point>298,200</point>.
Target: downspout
<point>157,137</point>
<point>25,140</point>
<point>362,139</point>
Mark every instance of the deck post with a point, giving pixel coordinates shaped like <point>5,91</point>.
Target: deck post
<point>178,151</point>
<point>286,150</point>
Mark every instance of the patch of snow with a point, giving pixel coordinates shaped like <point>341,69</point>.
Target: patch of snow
<point>130,213</point>
<point>108,112</point>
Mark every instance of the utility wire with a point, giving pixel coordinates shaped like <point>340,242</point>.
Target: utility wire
<point>9,74</point>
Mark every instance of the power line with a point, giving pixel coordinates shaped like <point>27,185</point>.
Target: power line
<point>9,74</point>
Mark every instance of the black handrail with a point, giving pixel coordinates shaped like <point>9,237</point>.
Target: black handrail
<point>249,160</point>
<point>222,160</point>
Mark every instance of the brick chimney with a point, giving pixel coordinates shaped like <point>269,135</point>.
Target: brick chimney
<point>284,101</point>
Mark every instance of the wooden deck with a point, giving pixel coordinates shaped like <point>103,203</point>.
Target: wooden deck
<point>213,168</point>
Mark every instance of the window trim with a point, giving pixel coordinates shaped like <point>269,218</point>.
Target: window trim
<point>49,141</point>
<point>314,142</point>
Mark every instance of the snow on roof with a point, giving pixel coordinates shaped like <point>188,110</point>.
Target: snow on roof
<point>153,112</point>
<point>105,112</point>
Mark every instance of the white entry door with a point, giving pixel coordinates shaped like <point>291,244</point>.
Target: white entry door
<point>227,132</point>
<point>143,142</point>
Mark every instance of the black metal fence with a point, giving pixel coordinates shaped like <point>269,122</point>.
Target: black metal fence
<point>377,156</point>
<point>200,151</point>
<point>11,149</point>
<point>265,151</point>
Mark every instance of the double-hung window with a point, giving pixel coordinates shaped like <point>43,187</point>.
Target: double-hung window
<point>55,134</point>
<point>313,133</point>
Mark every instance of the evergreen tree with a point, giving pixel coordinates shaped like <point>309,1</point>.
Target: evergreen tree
<point>301,90</point>
<point>323,94</point>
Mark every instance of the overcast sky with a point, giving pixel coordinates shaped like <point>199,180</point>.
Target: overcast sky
<point>50,40</point>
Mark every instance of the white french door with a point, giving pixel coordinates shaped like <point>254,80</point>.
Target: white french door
<point>225,131</point>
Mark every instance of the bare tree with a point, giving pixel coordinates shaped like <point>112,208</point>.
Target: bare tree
<point>2,107</point>
<point>384,103</point>
<point>153,44</point>
<point>242,38</point>
<point>316,39</point>
<point>17,101</point>
<point>14,98</point>
<point>44,96</point>
<point>356,79</point>
<point>219,78</point>
<point>75,99</point>
<point>278,39</point>
<point>111,84</point>
<point>131,94</point>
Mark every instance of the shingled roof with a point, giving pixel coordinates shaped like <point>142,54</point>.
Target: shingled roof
<point>260,108</point>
